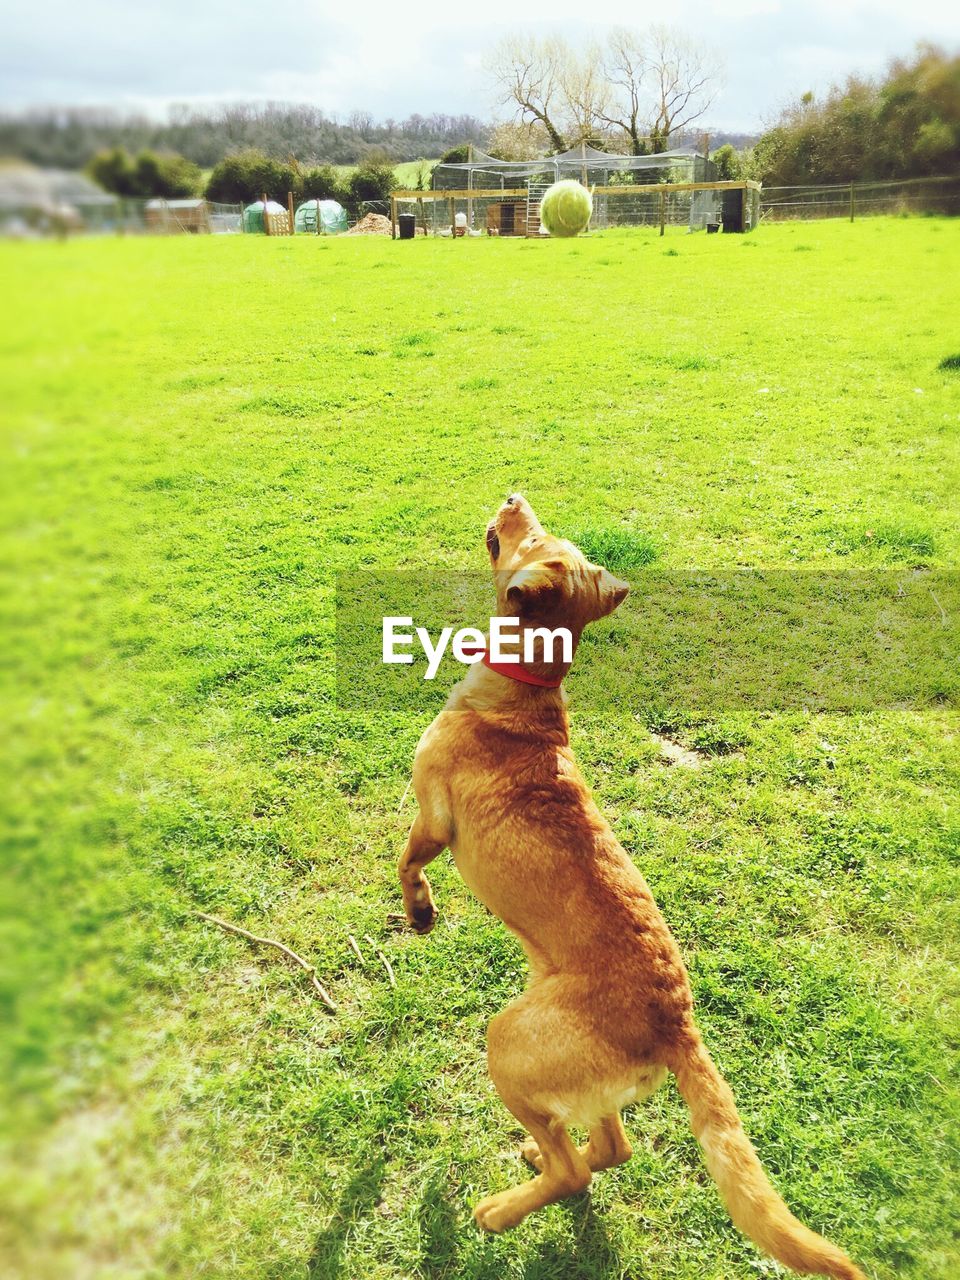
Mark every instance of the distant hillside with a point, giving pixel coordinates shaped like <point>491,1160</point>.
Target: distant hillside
<point>720,137</point>
<point>67,138</point>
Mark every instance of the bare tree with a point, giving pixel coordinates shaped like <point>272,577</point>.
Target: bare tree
<point>588,93</point>
<point>530,74</point>
<point>684,79</point>
<point>645,85</point>
<point>624,66</point>
<point>515,140</point>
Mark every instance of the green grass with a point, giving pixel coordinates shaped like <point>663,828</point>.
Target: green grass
<point>198,435</point>
<point>407,172</point>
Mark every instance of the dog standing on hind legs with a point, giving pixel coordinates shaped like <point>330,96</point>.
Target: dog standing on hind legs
<point>608,1010</point>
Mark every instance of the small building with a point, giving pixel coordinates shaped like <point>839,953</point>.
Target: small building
<point>48,201</point>
<point>171,217</point>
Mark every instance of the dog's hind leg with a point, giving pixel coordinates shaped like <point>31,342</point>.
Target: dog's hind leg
<point>564,1172</point>
<point>541,1058</point>
<point>608,1146</point>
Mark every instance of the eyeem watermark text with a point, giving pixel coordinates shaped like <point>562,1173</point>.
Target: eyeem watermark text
<point>469,644</point>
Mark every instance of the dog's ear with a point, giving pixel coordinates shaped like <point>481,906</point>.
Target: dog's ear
<point>611,591</point>
<point>534,591</point>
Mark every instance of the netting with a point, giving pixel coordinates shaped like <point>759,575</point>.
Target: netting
<point>585,163</point>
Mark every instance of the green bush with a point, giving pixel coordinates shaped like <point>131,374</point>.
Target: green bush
<point>369,182</point>
<point>165,174</point>
<point>247,175</point>
<point>150,174</point>
<point>727,160</point>
<point>113,170</point>
<point>459,154</point>
<point>322,183</point>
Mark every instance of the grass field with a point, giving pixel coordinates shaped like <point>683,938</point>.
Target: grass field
<point>407,172</point>
<point>199,434</point>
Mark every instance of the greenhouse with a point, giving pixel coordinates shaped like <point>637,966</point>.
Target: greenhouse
<point>321,217</point>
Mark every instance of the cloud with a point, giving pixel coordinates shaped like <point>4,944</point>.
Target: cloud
<point>391,61</point>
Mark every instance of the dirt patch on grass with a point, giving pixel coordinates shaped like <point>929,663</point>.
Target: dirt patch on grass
<point>675,753</point>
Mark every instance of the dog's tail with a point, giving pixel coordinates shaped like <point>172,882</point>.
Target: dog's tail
<point>751,1201</point>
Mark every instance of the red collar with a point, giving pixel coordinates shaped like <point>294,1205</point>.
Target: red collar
<point>515,670</point>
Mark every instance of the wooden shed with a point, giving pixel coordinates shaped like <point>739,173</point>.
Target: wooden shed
<point>190,217</point>
<point>507,217</point>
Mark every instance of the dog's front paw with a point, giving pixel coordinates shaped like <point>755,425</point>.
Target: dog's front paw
<point>423,917</point>
<point>421,910</point>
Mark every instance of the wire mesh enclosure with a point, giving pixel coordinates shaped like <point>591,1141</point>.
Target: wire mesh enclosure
<point>483,195</point>
<point>115,215</point>
<point>515,211</point>
<point>587,164</point>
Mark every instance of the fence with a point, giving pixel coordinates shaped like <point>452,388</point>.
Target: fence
<point>108,215</point>
<point>509,212</point>
<point>853,200</point>
<point>516,211</point>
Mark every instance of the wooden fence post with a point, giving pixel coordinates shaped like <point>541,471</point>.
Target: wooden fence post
<point>470,186</point>
<point>851,201</point>
<point>393,217</point>
<point>663,210</point>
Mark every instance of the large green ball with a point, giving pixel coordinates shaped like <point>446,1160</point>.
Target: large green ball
<point>566,208</point>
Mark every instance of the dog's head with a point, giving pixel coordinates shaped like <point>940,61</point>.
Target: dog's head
<point>543,579</point>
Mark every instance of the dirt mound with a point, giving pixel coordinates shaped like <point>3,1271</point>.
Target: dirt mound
<point>371,224</point>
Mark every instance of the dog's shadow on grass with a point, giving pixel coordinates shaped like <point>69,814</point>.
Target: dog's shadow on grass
<point>589,1254</point>
<point>439,1230</point>
<point>359,1197</point>
<point>447,1255</point>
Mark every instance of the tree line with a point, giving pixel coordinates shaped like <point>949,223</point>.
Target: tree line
<point>240,177</point>
<point>69,138</point>
<point>642,91</point>
<point>636,91</point>
<point>902,124</point>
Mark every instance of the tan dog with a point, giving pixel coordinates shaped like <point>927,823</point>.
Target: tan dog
<point>608,1010</point>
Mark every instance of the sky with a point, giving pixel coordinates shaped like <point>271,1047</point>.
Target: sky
<point>394,59</point>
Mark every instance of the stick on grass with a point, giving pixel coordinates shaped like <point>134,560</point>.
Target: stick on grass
<point>383,960</point>
<point>279,946</point>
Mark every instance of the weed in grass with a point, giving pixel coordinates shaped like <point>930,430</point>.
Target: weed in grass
<point>618,548</point>
<point>894,542</point>
<point>950,362</point>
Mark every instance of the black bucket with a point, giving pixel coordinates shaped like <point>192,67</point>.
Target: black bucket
<point>407,222</point>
